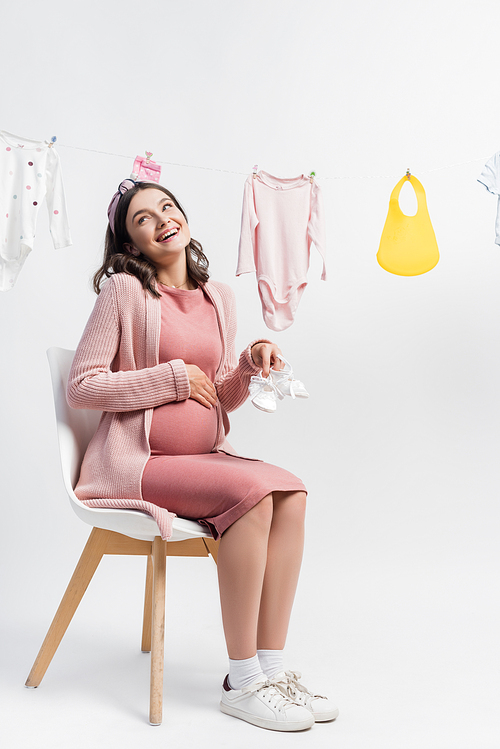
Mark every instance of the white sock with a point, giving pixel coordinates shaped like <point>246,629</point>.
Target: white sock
<point>245,672</point>
<point>271,662</point>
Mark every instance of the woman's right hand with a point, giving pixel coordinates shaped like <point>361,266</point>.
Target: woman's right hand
<point>202,389</point>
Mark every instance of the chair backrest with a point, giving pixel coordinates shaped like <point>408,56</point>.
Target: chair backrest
<point>75,427</point>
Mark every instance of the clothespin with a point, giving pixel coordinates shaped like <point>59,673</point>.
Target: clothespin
<point>312,176</point>
<point>148,156</point>
<point>52,141</point>
<point>255,170</point>
<point>408,174</point>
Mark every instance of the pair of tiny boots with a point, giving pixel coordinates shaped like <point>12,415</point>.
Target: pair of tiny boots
<point>266,391</point>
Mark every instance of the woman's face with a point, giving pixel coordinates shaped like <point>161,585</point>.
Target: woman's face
<point>156,227</point>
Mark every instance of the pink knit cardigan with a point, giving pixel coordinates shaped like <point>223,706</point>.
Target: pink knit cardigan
<point>116,370</point>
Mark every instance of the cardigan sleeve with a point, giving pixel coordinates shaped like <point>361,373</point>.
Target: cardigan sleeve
<point>93,384</point>
<point>234,378</point>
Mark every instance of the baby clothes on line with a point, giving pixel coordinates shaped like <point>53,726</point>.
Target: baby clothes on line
<point>29,171</point>
<point>490,178</point>
<point>280,220</point>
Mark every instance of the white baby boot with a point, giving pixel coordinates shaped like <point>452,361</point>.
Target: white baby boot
<point>263,393</point>
<point>285,384</point>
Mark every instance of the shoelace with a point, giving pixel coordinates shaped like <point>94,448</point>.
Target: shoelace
<point>291,687</point>
<point>280,377</point>
<point>272,693</point>
<point>258,383</point>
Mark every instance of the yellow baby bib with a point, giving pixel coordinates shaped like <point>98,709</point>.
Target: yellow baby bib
<point>408,245</point>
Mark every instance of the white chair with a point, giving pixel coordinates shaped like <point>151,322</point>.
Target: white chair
<point>113,532</point>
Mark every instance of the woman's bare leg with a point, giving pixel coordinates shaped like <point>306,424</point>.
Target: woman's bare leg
<point>241,567</point>
<point>284,557</point>
<point>258,564</point>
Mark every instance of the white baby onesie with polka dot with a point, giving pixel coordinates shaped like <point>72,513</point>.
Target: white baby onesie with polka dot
<point>29,172</point>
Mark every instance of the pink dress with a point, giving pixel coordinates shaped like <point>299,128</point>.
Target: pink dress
<point>182,474</point>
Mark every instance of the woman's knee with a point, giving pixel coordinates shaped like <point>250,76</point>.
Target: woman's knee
<point>293,503</point>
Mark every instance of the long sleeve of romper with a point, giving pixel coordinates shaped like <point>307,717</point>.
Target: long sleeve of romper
<point>249,223</point>
<point>490,176</point>
<point>316,225</point>
<point>56,202</point>
<point>94,384</point>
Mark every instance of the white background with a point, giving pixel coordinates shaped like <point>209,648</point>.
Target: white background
<point>397,613</point>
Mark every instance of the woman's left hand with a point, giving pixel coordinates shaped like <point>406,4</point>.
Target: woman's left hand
<point>266,355</point>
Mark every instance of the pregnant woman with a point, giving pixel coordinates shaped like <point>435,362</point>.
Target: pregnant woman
<point>157,357</point>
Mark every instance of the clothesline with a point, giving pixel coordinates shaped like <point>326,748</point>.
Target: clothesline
<point>244,174</point>
<point>31,170</point>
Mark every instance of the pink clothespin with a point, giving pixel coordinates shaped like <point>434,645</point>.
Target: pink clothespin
<point>148,156</point>
<point>255,170</point>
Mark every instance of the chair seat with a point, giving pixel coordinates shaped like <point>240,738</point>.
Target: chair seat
<point>135,523</point>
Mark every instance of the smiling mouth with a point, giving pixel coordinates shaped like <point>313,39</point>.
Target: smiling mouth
<point>167,235</point>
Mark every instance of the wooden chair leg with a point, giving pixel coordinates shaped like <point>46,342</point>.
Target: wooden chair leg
<point>84,571</point>
<point>158,630</point>
<point>212,547</point>
<point>148,609</point>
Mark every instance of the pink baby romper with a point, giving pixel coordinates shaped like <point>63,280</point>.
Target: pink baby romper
<point>280,220</point>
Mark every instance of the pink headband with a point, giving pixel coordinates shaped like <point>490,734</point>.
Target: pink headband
<point>127,184</point>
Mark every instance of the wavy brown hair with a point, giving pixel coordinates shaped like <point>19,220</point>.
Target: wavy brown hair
<point>118,260</point>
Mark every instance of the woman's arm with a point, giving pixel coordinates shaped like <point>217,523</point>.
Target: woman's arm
<point>234,378</point>
<point>91,382</point>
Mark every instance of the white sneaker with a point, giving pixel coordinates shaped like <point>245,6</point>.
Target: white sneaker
<point>285,383</point>
<point>320,707</point>
<point>264,704</point>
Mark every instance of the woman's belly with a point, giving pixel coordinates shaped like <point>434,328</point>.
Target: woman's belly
<point>183,428</point>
